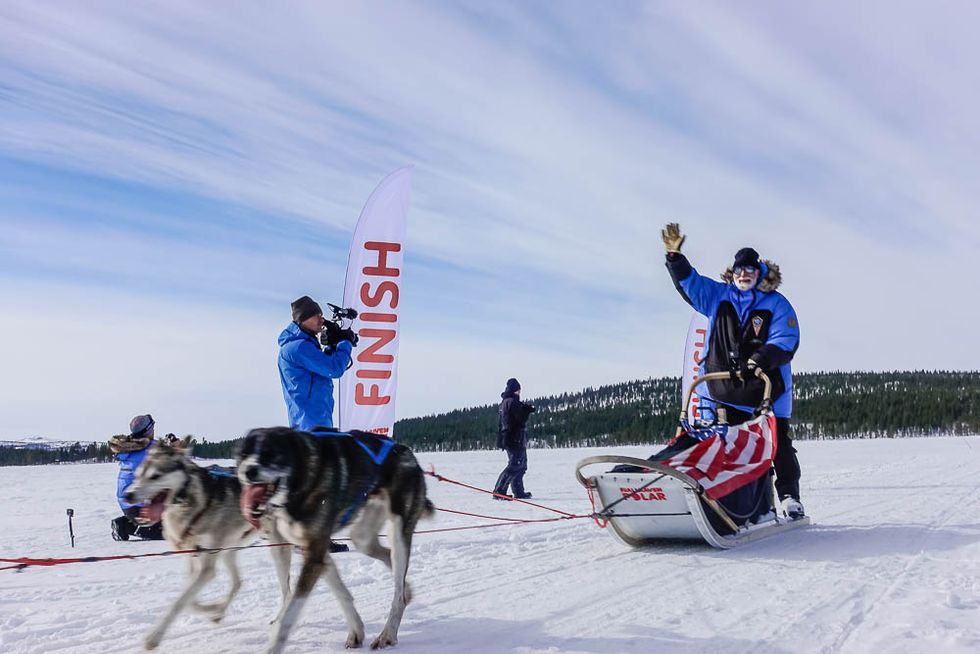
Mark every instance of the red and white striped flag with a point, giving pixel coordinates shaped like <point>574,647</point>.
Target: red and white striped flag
<point>722,465</point>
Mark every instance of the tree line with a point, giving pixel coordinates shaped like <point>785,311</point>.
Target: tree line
<point>826,405</point>
<point>30,456</point>
<point>644,412</point>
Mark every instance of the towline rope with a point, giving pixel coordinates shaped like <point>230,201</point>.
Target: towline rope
<point>432,473</point>
<point>22,563</point>
<point>25,562</point>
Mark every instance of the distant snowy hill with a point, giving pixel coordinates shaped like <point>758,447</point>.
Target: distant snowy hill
<point>39,443</point>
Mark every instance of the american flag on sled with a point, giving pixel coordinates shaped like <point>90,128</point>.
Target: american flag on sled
<point>728,459</point>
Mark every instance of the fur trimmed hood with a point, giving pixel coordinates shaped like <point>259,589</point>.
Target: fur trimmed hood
<point>125,443</point>
<point>769,280</point>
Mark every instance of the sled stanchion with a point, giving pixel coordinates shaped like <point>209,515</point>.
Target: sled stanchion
<point>721,513</point>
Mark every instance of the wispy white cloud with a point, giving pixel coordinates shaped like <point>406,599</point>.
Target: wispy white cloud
<point>193,157</point>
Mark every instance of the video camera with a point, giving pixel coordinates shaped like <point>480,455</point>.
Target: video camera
<point>334,331</point>
<point>340,313</point>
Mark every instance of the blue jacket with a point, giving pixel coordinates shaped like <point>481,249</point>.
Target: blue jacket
<point>307,374</point>
<point>128,463</point>
<point>759,324</point>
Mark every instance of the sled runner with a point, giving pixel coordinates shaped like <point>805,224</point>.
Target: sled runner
<point>712,483</point>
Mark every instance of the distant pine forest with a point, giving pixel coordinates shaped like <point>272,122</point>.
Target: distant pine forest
<point>826,405</point>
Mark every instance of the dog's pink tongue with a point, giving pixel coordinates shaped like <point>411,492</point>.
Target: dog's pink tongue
<point>152,512</point>
<point>252,497</point>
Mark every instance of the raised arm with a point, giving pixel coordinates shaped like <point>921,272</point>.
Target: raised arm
<point>702,293</point>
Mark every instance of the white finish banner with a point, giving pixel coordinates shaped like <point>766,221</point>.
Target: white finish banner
<point>693,354</point>
<point>373,287</point>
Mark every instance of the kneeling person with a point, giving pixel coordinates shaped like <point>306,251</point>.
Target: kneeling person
<point>130,450</point>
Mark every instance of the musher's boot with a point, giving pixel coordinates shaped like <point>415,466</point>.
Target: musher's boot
<point>523,495</point>
<point>149,532</point>
<point>792,508</point>
<point>122,528</point>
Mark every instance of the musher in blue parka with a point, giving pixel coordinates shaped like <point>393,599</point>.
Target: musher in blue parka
<point>750,325</point>
<point>306,370</point>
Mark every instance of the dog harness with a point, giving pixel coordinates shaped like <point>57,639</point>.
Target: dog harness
<point>215,473</point>
<point>384,449</point>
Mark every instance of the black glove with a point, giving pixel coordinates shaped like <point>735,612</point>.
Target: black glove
<point>329,335</point>
<point>749,370</point>
<point>348,335</point>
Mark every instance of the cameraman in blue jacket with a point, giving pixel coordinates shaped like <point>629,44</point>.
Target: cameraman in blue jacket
<point>750,326</point>
<point>307,369</point>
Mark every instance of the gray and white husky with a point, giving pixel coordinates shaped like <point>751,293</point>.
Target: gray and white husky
<point>302,487</point>
<point>199,510</point>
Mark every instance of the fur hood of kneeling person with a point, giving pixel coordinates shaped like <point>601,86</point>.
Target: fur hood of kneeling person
<point>769,277</point>
<point>126,443</point>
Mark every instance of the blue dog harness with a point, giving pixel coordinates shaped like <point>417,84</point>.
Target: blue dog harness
<point>221,471</point>
<point>384,449</point>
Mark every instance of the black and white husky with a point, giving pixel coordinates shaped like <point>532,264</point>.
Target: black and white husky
<point>302,487</point>
<point>200,509</point>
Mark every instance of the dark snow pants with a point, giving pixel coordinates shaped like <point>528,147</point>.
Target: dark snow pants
<point>786,464</point>
<point>513,474</point>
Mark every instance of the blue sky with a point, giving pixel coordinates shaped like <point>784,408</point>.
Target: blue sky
<point>173,174</point>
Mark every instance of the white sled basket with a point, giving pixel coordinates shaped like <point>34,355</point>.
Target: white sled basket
<point>658,503</point>
<point>646,508</point>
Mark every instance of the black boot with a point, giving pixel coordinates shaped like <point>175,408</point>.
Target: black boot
<point>122,528</point>
<point>149,532</point>
<point>338,547</point>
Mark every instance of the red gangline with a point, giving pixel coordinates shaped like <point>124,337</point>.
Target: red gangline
<point>434,531</point>
<point>25,562</point>
<point>431,472</point>
<point>479,515</point>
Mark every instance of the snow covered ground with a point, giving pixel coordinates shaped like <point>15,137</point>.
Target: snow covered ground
<point>891,564</point>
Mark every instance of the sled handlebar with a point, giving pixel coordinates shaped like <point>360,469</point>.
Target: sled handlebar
<point>712,376</point>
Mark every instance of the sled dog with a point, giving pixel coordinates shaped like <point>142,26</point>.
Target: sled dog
<point>199,509</point>
<point>302,487</point>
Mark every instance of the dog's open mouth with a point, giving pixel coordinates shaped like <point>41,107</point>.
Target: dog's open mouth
<point>151,512</point>
<point>255,499</point>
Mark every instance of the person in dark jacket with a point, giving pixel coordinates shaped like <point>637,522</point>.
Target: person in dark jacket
<point>130,450</point>
<point>751,326</point>
<point>307,371</point>
<point>512,436</point>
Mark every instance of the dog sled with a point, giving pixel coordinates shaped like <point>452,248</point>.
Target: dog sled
<point>713,482</point>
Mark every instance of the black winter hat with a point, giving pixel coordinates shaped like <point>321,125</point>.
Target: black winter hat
<point>747,257</point>
<point>304,308</point>
<point>512,386</point>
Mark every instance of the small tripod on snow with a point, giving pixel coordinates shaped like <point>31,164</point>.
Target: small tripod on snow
<point>71,532</point>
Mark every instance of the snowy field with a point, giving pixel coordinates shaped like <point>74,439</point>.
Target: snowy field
<point>891,564</point>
